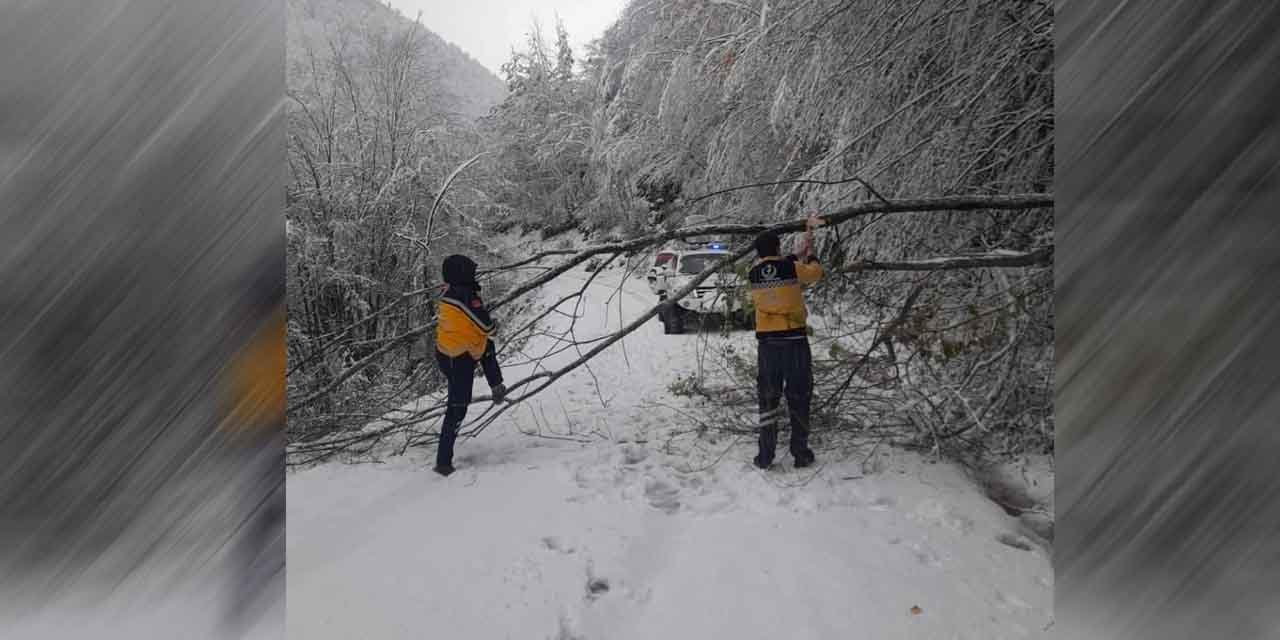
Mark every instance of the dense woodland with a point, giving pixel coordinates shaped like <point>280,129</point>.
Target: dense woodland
<point>744,114</point>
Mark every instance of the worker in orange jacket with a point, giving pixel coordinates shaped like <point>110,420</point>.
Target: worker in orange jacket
<point>785,364</point>
<point>254,420</point>
<point>463,330</point>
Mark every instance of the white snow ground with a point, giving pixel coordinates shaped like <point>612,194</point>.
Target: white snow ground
<point>182,589</point>
<point>191,611</point>
<point>616,538</point>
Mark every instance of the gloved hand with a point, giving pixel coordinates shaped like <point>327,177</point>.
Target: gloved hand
<point>806,241</point>
<point>499,393</point>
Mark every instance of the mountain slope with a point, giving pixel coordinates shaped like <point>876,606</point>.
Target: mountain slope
<point>469,88</point>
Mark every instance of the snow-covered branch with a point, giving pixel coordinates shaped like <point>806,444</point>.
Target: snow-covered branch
<point>1040,257</point>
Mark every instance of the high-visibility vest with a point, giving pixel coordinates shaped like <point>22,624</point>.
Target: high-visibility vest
<point>777,291</point>
<point>463,324</point>
<point>257,381</point>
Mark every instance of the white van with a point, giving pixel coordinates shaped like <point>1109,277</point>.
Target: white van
<point>720,295</point>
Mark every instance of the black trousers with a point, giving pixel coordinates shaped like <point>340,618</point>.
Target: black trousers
<point>785,368</point>
<point>260,553</point>
<point>460,373</point>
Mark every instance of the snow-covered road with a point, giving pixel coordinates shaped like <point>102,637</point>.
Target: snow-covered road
<point>618,537</point>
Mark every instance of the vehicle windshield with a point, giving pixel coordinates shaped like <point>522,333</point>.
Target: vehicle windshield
<point>696,263</point>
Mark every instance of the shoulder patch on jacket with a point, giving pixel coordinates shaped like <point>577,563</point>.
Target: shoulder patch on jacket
<point>773,273</point>
<point>476,304</point>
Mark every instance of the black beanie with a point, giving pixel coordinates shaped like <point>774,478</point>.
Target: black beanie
<point>768,244</point>
<point>460,271</point>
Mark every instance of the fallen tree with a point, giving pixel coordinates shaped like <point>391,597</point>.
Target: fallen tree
<point>371,432</point>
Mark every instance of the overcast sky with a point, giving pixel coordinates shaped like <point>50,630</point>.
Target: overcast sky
<point>487,29</point>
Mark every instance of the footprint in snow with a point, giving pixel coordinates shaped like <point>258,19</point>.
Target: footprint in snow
<point>883,503</point>
<point>597,587</point>
<point>798,502</point>
<point>553,543</point>
<point>633,455</point>
<point>924,555</point>
<point>594,477</point>
<point>714,502</point>
<point>566,630</point>
<point>1009,601</point>
<point>1015,541</point>
<point>662,495</point>
<point>938,513</point>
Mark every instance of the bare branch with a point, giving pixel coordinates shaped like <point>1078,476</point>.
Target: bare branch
<point>1021,202</point>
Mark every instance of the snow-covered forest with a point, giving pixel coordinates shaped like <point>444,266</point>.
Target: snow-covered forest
<point>942,319</point>
<point>921,130</point>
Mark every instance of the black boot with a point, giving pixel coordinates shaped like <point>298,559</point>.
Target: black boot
<point>805,459</point>
<point>444,448</point>
<point>499,392</point>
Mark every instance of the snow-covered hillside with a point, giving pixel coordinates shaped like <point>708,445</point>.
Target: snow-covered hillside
<point>597,529</point>
<point>465,85</point>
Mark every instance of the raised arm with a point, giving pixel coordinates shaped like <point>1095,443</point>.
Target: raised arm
<point>808,270</point>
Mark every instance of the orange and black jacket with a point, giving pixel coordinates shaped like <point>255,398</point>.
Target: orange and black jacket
<point>256,383</point>
<point>463,325</point>
<point>777,290</point>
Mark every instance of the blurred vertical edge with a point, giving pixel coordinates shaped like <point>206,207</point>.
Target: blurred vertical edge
<point>1168,295</point>
<point>141,248</point>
